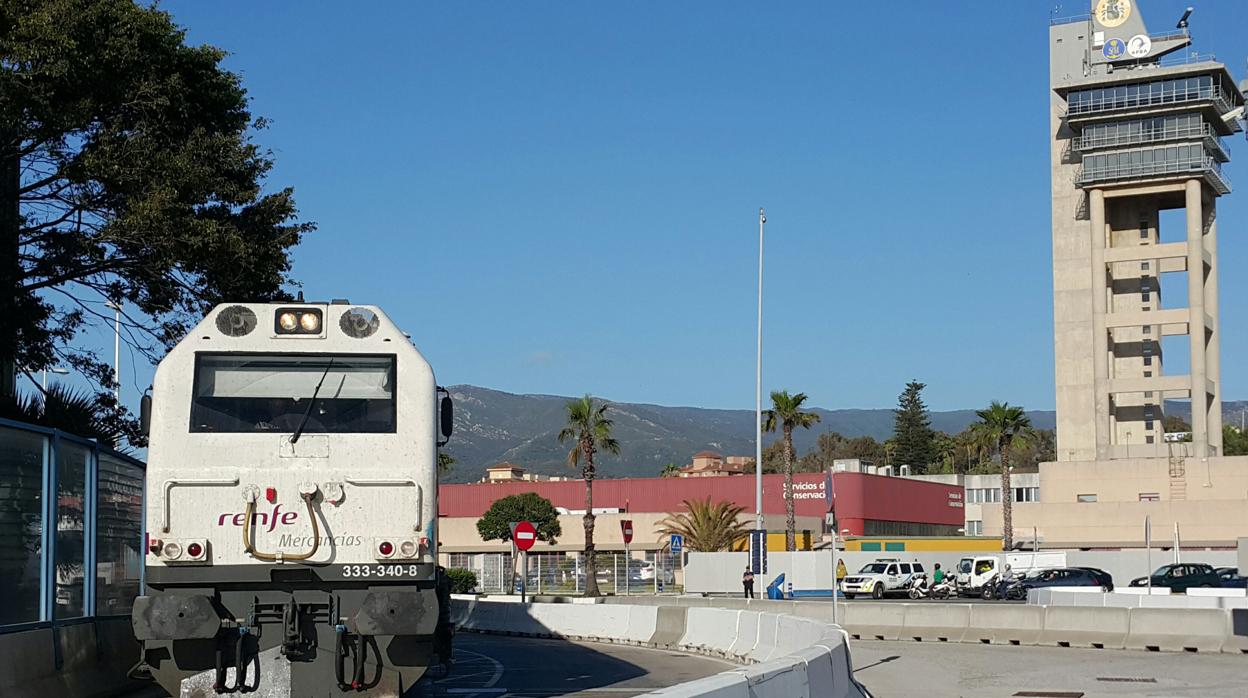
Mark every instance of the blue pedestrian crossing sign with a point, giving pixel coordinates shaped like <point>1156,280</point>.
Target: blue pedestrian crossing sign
<point>678,542</point>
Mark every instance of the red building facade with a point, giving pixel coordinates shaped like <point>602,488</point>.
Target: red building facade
<point>864,504</point>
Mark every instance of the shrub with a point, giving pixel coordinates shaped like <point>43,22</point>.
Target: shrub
<point>462,581</point>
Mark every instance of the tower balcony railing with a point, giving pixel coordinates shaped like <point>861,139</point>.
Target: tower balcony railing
<point>1139,96</point>
<point>1206,166</point>
<point>1205,132</point>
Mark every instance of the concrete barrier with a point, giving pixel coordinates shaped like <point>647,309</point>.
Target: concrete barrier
<point>1075,626</point>
<point>874,621</point>
<point>1232,593</point>
<point>1237,639</point>
<point>779,677</point>
<point>794,656</point>
<point>82,660</point>
<point>747,634</point>
<point>765,645</point>
<point>936,622</point>
<point>712,629</point>
<point>1193,629</point>
<point>642,621</point>
<point>1012,624</point>
<point>669,626</point>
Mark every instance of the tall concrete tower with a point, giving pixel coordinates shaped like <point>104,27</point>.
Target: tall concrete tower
<point>1136,124</point>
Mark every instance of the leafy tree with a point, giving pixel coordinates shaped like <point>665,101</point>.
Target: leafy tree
<point>445,462</point>
<point>1234,441</point>
<point>1041,448</point>
<point>945,448</point>
<point>670,470</point>
<point>707,527</point>
<point>1003,428</point>
<point>462,581</point>
<point>589,429</point>
<point>495,524</point>
<point>912,429</point>
<point>1173,423</point>
<point>128,174</point>
<point>786,414</point>
<point>773,459</point>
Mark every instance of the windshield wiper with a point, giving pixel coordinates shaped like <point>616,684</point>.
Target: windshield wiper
<point>307,414</point>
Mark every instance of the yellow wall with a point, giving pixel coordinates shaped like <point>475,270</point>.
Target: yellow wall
<point>776,542</point>
<point>924,544</point>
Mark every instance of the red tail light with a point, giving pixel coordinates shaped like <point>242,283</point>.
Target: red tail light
<point>386,548</point>
<point>194,550</point>
<point>270,493</point>
<point>154,545</point>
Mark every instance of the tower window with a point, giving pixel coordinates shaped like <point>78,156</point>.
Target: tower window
<point>1143,266</point>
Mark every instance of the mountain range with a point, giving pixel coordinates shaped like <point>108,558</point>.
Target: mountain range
<point>492,426</point>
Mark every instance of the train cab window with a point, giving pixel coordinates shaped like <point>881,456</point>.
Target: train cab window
<point>245,393</point>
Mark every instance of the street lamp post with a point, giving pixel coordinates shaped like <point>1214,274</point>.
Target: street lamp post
<point>43,377</point>
<point>116,308</point>
<point>758,389</point>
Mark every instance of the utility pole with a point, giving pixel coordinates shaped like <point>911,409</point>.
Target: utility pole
<point>758,388</point>
<point>116,307</point>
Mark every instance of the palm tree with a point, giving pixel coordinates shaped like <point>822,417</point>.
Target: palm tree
<point>590,431</point>
<point>786,413</point>
<point>1004,428</point>
<point>670,470</point>
<point>707,527</point>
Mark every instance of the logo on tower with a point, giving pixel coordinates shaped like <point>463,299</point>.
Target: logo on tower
<point>1114,49</point>
<point>1113,13</point>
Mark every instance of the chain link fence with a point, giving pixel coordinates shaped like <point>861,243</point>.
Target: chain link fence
<point>640,572</point>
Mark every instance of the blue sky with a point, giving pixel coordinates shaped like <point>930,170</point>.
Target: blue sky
<point>562,198</point>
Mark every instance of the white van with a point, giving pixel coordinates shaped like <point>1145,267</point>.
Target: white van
<point>974,572</point>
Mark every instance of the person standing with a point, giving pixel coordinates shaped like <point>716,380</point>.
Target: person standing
<point>938,576</point>
<point>747,581</point>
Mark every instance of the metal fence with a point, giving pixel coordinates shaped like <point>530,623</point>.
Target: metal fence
<point>71,528</point>
<point>640,572</point>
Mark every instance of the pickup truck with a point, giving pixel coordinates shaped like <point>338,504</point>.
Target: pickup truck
<point>882,577</point>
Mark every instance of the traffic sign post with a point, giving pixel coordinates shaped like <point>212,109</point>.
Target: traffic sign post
<point>677,546</point>
<point>626,530</point>
<point>523,536</point>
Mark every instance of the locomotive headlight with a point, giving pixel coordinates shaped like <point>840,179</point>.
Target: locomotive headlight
<point>408,549</point>
<point>172,551</point>
<point>310,322</point>
<point>288,321</point>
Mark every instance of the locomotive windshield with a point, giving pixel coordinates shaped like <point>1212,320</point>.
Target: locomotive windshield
<point>248,393</point>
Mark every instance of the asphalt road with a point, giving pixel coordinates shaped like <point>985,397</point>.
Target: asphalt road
<point>494,666</point>
<point>942,670</point>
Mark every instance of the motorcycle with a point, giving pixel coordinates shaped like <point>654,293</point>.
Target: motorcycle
<point>919,587</point>
<point>947,588</point>
<point>1007,589</point>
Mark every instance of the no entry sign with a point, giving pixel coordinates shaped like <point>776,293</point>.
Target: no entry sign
<point>524,535</point>
<point>626,528</point>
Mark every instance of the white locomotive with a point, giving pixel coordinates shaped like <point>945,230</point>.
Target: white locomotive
<point>292,506</point>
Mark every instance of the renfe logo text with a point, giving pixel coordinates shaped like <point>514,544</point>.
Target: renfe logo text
<point>265,520</point>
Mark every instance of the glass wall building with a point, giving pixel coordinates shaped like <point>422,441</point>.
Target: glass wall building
<point>71,528</point>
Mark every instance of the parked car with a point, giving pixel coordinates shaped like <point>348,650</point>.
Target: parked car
<point>882,577</point>
<point>1181,577</point>
<point>665,575</point>
<point>1069,577</point>
<point>1231,578</point>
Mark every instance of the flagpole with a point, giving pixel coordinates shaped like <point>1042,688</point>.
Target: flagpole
<point>758,391</point>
